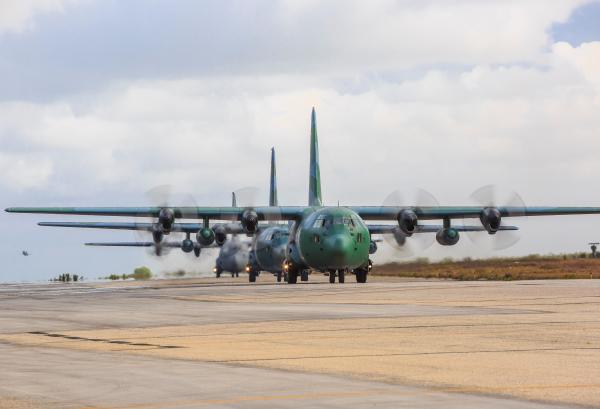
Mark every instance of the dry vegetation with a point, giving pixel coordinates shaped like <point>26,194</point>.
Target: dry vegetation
<point>533,267</point>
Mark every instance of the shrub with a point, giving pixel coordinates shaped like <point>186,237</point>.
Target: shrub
<point>141,273</point>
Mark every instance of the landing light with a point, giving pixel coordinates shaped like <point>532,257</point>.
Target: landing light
<point>247,269</point>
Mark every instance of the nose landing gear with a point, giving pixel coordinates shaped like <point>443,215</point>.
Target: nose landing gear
<point>341,275</point>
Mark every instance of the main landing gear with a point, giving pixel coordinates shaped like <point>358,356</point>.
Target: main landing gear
<point>292,272</point>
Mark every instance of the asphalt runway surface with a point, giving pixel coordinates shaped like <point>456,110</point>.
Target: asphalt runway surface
<point>230,344</point>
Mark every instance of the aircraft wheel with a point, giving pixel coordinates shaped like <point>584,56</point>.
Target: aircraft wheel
<point>292,277</point>
<point>304,275</point>
<point>252,277</point>
<point>279,276</point>
<point>361,276</point>
<point>341,276</point>
<point>332,277</point>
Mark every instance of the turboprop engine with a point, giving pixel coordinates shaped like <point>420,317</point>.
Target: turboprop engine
<point>372,247</point>
<point>220,235</point>
<point>187,246</point>
<point>407,221</point>
<point>205,236</point>
<point>490,218</point>
<point>447,236</point>
<point>249,221</point>
<point>157,234</point>
<point>166,218</point>
<point>400,237</point>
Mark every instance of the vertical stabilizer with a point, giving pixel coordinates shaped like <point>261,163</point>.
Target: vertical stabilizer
<point>273,186</point>
<point>314,181</point>
<point>233,200</point>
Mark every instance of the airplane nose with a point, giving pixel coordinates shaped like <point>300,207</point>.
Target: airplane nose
<point>339,244</point>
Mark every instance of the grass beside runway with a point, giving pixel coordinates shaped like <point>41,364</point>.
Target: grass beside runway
<point>532,267</point>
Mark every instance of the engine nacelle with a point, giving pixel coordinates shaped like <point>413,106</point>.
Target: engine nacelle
<point>249,221</point>
<point>205,236</point>
<point>490,219</point>
<point>400,237</point>
<point>407,221</point>
<point>187,246</point>
<point>166,218</point>
<point>157,234</point>
<point>372,247</point>
<point>220,235</point>
<point>447,237</point>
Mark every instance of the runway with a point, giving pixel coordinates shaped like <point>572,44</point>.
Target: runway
<point>228,344</point>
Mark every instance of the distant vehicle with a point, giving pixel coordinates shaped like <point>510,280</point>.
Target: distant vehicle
<point>25,253</point>
<point>594,247</point>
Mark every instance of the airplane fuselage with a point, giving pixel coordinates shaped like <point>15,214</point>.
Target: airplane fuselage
<point>233,256</point>
<point>330,238</point>
<point>269,248</point>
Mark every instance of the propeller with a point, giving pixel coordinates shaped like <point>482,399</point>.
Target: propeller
<point>491,197</point>
<point>407,246</point>
<point>163,196</point>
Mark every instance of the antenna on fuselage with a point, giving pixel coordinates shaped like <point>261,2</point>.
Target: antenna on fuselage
<point>233,200</point>
<point>314,177</point>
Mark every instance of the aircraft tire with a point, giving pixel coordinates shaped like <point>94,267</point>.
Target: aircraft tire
<point>341,276</point>
<point>332,277</point>
<point>304,275</point>
<point>279,276</point>
<point>252,277</point>
<point>361,276</point>
<point>292,277</point>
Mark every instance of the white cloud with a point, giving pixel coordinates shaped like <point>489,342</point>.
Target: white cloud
<point>18,15</point>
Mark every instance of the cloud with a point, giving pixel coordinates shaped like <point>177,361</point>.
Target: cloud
<point>90,47</point>
<point>18,15</point>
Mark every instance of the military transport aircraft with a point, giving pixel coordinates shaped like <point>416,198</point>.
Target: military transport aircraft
<point>269,245</point>
<point>324,238</point>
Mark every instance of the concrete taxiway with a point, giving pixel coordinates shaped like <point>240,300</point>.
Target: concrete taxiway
<point>226,343</point>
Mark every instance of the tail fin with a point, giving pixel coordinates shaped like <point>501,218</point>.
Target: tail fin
<point>233,200</point>
<point>273,187</point>
<point>314,181</point>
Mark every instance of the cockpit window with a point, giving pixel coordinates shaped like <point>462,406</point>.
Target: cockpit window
<point>346,221</point>
<point>320,222</point>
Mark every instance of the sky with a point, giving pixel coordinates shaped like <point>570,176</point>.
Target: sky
<point>103,100</point>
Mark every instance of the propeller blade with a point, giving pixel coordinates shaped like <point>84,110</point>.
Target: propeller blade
<point>496,196</point>
<point>409,246</point>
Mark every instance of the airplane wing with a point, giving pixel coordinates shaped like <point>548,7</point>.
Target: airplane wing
<point>177,227</point>
<point>170,244</point>
<point>462,212</point>
<point>428,228</point>
<point>296,212</point>
<point>230,228</point>
<point>214,213</point>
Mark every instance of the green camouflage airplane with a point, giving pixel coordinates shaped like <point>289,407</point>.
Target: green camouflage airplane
<point>324,238</point>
